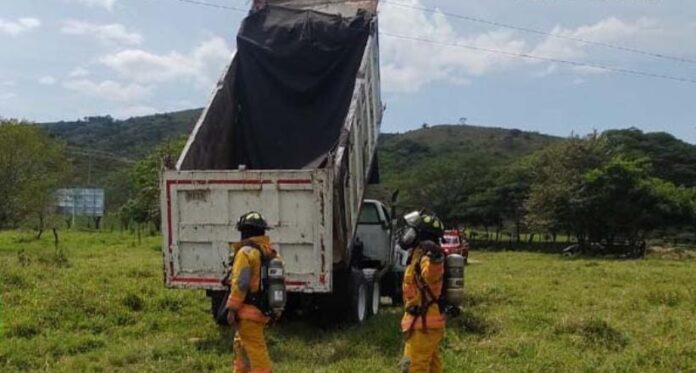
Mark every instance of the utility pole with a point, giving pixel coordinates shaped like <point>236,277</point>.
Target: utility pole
<point>89,169</point>
<point>73,209</point>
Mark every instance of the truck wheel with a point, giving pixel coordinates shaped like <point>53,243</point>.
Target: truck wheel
<point>375,296</point>
<point>358,296</point>
<point>216,299</point>
<point>394,283</point>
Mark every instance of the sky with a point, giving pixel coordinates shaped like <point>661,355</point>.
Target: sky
<point>67,59</point>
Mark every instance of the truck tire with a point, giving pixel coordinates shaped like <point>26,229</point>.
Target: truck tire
<point>397,297</point>
<point>358,297</point>
<point>216,299</point>
<point>374,298</point>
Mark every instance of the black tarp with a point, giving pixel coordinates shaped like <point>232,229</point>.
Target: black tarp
<point>296,72</point>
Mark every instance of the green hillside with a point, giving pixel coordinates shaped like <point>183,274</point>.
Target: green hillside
<point>131,139</point>
<point>399,153</point>
<point>103,150</point>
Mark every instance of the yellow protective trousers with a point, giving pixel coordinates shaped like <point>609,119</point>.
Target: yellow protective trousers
<point>420,352</point>
<point>250,352</point>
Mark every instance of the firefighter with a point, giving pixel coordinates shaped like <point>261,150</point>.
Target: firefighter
<point>423,324</point>
<point>244,304</point>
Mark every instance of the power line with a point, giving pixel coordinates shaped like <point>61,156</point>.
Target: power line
<point>540,58</point>
<point>540,32</point>
<point>512,54</point>
<point>98,154</point>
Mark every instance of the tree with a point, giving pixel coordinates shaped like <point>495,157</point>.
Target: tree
<point>557,174</point>
<point>671,159</point>
<point>32,166</point>
<point>620,200</point>
<point>144,206</point>
<point>443,186</point>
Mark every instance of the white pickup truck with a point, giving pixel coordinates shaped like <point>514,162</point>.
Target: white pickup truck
<point>290,131</point>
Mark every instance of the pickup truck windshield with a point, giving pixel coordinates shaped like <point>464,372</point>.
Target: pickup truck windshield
<point>369,215</point>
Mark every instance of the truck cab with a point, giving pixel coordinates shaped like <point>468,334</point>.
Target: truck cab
<point>374,234</point>
<point>373,248</point>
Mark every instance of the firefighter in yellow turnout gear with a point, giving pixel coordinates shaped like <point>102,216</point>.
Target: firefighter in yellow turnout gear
<point>423,324</point>
<point>244,313</point>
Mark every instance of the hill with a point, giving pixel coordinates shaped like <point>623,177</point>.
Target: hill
<point>399,153</point>
<point>131,139</point>
<point>103,149</point>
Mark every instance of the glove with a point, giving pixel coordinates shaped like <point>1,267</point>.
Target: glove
<point>433,250</point>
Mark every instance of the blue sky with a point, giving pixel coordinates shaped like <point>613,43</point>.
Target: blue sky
<point>66,59</point>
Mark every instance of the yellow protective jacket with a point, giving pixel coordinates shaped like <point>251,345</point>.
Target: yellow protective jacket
<point>419,289</point>
<point>246,276</point>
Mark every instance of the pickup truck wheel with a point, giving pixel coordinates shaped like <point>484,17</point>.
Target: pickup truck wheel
<point>216,300</point>
<point>358,296</point>
<point>375,297</point>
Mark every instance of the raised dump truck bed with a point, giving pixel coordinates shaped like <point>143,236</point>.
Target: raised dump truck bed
<point>290,131</point>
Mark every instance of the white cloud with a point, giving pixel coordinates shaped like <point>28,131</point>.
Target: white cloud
<point>134,111</point>
<point>79,72</point>
<point>7,95</point>
<point>109,90</point>
<point>106,4</point>
<point>47,80</point>
<point>608,31</point>
<point>408,65</point>
<point>111,33</point>
<point>203,65</point>
<point>19,26</point>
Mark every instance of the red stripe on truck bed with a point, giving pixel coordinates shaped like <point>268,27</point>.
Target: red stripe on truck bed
<point>294,181</point>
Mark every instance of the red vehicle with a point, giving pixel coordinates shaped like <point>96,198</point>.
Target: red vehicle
<point>452,243</point>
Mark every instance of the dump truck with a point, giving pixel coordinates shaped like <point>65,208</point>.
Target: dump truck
<point>290,131</point>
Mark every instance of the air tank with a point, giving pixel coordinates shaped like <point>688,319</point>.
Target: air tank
<point>454,280</point>
<point>276,286</point>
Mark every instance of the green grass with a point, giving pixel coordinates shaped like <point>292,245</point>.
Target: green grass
<point>100,305</point>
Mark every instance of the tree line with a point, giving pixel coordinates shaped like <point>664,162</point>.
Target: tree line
<point>32,167</point>
<point>617,185</point>
<point>620,185</point>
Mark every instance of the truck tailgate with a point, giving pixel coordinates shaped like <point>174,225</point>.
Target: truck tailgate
<point>200,209</point>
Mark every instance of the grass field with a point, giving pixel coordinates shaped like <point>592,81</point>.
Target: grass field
<point>100,305</point>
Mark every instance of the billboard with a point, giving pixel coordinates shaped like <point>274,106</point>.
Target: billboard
<point>80,201</point>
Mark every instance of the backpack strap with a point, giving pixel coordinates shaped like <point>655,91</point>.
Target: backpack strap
<point>258,299</point>
<point>427,296</point>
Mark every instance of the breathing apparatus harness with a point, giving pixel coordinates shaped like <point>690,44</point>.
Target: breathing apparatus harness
<point>427,297</point>
<point>417,222</point>
<point>262,298</point>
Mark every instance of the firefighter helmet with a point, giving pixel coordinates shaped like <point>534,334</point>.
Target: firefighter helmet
<point>431,224</point>
<point>252,219</point>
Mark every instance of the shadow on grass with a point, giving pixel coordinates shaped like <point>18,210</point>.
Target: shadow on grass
<point>220,343</point>
<point>595,334</point>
